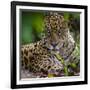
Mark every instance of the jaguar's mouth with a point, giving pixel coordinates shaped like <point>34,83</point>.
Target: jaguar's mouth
<point>53,49</point>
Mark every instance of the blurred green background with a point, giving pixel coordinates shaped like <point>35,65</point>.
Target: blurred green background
<point>32,26</point>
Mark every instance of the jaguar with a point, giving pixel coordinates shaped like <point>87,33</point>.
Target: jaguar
<point>40,56</point>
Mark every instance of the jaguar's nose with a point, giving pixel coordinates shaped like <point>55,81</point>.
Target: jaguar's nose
<point>54,44</point>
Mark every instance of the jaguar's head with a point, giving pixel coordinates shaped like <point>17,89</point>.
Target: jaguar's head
<point>56,28</point>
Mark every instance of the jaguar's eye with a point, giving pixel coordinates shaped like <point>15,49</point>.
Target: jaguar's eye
<point>59,33</point>
<point>48,31</point>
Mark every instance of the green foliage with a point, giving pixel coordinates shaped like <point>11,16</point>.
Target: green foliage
<point>73,20</point>
<point>66,16</point>
<point>66,70</point>
<point>50,75</point>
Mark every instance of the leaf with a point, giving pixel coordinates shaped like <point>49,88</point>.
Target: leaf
<point>59,58</point>
<point>66,71</point>
<point>50,75</point>
<point>73,65</point>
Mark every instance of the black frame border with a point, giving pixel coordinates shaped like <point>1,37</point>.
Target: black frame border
<point>13,44</point>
